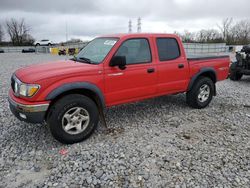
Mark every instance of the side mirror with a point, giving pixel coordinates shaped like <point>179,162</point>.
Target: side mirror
<point>119,61</point>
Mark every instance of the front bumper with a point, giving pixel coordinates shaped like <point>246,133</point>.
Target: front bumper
<point>31,113</point>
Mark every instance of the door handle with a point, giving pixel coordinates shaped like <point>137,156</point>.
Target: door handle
<point>151,70</point>
<point>116,74</point>
<point>180,66</point>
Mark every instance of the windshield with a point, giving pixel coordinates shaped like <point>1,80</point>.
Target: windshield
<point>96,50</point>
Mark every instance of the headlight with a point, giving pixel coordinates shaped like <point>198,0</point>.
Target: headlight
<point>28,90</point>
<point>23,89</point>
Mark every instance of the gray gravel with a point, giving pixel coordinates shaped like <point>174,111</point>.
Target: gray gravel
<point>156,143</point>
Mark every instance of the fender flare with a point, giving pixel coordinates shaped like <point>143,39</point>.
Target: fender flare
<point>202,71</point>
<point>77,85</point>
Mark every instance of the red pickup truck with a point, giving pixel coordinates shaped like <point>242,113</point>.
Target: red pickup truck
<point>115,69</point>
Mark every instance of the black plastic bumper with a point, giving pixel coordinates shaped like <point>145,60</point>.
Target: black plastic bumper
<point>28,113</point>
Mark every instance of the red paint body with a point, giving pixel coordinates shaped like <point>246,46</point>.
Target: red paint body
<point>131,84</point>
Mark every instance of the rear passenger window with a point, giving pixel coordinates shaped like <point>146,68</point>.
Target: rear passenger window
<point>168,49</point>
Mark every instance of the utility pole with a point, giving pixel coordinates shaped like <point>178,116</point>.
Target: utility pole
<point>139,25</point>
<point>67,51</point>
<point>130,26</point>
<point>66,31</point>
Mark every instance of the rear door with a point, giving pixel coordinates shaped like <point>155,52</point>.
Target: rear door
<point>172,66</point>
<point>138,80</point>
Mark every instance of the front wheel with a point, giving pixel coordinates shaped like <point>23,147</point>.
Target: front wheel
<point>201,93</point>
<point>73,118</point>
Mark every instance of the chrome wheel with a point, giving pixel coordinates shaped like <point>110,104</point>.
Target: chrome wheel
<point>75,120</point>
<point>204,93</point>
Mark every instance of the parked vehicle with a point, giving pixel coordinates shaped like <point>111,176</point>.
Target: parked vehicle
<point>1,51</point>
<point>242,65</point>
<point>62,52</point>
<point>72,51</point>
<point>30,50</point>
<point>111,70</point>
<point>44,42</point>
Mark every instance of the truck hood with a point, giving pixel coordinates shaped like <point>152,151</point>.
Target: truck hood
<point>34,73</point>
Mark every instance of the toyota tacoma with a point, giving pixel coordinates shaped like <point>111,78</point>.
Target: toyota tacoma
<point>70,95</point>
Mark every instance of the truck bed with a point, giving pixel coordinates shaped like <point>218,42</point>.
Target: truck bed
<point>219,63</point>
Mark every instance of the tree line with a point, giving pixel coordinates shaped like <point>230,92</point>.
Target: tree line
<point>229,31</point>
<point>18,32</point>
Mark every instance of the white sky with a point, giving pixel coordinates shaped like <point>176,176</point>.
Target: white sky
<point>87,19</point>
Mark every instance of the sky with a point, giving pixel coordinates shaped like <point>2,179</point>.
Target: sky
<point>86,19</point>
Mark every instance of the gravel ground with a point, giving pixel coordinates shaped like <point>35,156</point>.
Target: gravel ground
<point>156,143</point>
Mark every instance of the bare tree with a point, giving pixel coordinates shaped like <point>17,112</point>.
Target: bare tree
<point>225,28</point>
<point>186,36</point>
<point>209,36</point>
<point>28,39</point>
<point>17,31</point>
<point>240,32</point>
<point>1,33</point>
<point>229,32</point>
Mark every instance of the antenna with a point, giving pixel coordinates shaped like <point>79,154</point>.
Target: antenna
<point>139,25</point>
<point>130,26</point>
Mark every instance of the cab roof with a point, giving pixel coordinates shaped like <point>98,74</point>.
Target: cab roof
<point>134,35</point>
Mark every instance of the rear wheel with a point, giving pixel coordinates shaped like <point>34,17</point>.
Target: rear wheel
<point>73,118</point>
<point>201,93</point>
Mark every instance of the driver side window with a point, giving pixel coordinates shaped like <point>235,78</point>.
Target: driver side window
<point>135,51</point>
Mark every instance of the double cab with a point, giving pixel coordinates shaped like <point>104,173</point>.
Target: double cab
<point>70,95</point>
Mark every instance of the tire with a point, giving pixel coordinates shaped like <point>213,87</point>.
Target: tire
<point>37,44</point>
<point>70,109</point>
<point>234,75</point>
<point>195,98</point>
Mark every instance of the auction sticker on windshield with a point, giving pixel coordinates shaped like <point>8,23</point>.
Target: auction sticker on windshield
<point>110,42</point>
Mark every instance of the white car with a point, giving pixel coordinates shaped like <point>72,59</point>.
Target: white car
<point>44,42</point>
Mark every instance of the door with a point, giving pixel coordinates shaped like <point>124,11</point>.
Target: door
<point>137,80</point>
<point>173,68</point>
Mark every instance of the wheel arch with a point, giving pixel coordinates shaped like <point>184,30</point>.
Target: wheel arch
<point>85,88</point>
<point>205,72</point>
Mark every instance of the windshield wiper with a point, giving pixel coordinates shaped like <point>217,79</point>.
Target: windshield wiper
<point>87,60</point>
<point>82,59</point>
